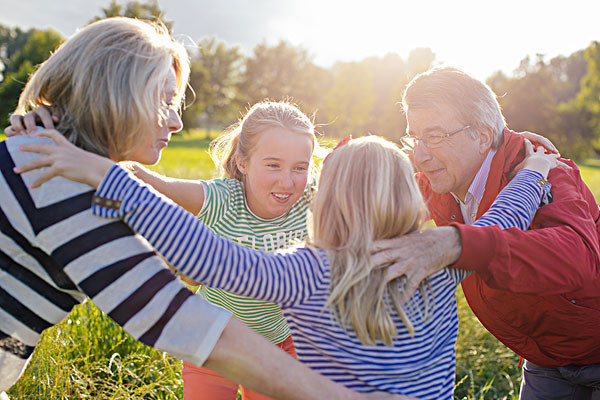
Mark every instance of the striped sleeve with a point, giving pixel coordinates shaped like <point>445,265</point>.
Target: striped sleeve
<point>54,252</point>
<point>216,201</point>
<point>517,203</point>
<point>186,243</point>
<point>126,279</point>
<point>515,207</point>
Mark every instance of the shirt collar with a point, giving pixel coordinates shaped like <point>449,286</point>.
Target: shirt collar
<point>478,185</point>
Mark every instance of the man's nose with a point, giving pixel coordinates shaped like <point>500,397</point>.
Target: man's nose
<point>421,153</point>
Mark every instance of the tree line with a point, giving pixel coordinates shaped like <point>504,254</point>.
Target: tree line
<point>559,98</point>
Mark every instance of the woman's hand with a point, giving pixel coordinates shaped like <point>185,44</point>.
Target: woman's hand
<point>538,160</point>
<point>28,123</point>
<point>65,159</point>
<point>541,140</point>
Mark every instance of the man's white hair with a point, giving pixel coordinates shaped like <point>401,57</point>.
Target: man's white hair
<point>471,100</point>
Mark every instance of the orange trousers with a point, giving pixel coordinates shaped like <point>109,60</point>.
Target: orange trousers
<point>200,383</point>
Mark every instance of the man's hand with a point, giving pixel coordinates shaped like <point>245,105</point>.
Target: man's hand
<point>418,255</point>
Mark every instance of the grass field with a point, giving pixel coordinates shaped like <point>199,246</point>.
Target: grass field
<point>88,356</point>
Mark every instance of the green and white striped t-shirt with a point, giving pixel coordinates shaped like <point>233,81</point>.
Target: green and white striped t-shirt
<point>226,212</point>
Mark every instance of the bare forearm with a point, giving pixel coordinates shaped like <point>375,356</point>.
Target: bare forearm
<point>251,360</point>
<point>189,194</point>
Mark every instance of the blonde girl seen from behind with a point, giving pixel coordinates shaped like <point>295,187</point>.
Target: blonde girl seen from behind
<point>355,206</point>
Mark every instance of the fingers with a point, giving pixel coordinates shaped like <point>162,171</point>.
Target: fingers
<point>39,162</point>
<point>55,135</point>
<point>17,127</point>
<point>39,148</point>
<point>382,244</point>
<point>386,257</point>
<point>528,148</point>
<point>541,150</point>
<point>410,288</point>
<point>10,131</point>
<point>46,176</point>
<point>396,270</point>
<point>43,113</point>
<point>29,120</point>
<point>562,164</point>
<point>534,137</point>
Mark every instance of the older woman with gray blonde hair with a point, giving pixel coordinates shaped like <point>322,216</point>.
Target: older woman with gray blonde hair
<point>118,84</point>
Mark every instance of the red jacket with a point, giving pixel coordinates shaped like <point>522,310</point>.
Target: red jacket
<point>537,291</point>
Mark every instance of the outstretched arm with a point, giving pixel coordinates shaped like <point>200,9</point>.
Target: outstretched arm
<point>194,249</point>
<point>560,255</point>
<point>65,159</point>
<point>418,255</point>
<point>246,357</point>
<point>188,193</point>
<point>178,236</point>
<point>124,277</point>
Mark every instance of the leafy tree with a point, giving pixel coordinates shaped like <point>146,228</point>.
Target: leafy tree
<point>21,64</point>
<point>149,10</point>
<point>350,101</point>
<point>365,96</point>
<point>588,98</point>
<point>545,97</point>
<point>11,40</point>
<point>420,60</point>
<point>392,74</point>
<point>216,73</point>
<point>567,73</point>
<point>284,71</point>
<point>529,103</point>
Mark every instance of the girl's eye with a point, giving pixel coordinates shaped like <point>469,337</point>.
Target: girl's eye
<point>273,165</point>
<point>301,169</point>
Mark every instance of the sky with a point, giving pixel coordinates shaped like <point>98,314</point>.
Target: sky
<point>480,37</point>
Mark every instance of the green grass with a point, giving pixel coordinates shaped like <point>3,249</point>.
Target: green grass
<point>187,157</point>
<point>590,172</point>
<point>88,356</point>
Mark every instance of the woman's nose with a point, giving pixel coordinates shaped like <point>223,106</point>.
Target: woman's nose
<point>175,122</point>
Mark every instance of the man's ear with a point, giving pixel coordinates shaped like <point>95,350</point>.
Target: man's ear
<point>241,164</point>
<point>486,139</point>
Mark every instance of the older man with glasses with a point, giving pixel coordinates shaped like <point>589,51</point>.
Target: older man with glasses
<point>537,291</point>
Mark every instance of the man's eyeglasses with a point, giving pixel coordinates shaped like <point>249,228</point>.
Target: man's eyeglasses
<point>430,141</point>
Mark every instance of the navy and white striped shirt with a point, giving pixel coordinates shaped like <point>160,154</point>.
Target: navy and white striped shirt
<point>54,253</point>
<point>422,365</point>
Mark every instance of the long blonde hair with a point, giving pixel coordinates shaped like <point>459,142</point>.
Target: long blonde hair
<point>240,140</point>
<point>367,192</point>
<point>107,82</point>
